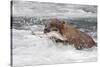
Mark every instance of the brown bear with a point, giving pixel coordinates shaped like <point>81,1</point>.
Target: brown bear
<point>71,34</point>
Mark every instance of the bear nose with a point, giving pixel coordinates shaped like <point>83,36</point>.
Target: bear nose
<point>46,30</point>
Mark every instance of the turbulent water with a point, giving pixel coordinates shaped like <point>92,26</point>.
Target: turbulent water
<point>30,46</point>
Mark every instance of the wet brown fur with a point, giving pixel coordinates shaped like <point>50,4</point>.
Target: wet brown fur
<point>73,36</point>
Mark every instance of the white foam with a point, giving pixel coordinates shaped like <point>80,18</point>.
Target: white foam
<point>31,49</point>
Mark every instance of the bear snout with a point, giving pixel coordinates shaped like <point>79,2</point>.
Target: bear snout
<point>46,30</point>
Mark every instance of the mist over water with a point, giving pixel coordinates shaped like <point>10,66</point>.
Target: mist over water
<point>32,47</point>
<point>29,8</point>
